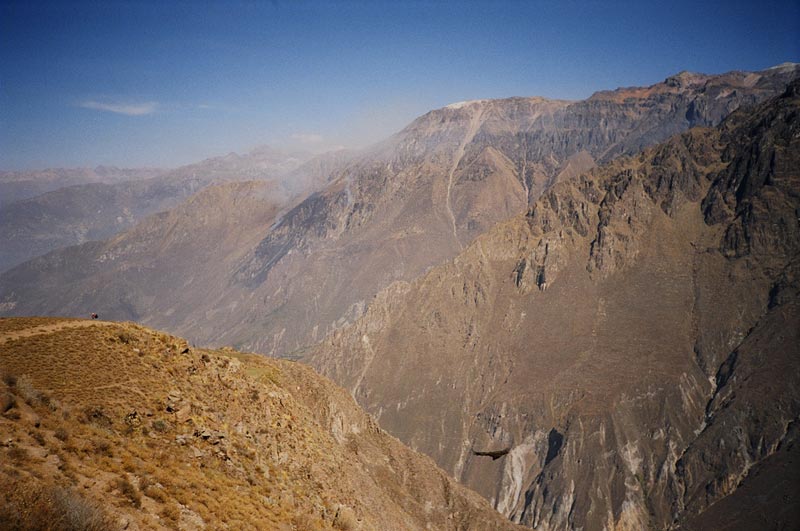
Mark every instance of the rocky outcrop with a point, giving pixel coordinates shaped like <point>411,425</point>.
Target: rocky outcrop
<point>630,341</point>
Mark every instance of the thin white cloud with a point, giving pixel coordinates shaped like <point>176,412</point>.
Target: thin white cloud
<point>128,109</point>
<point>308,138</point>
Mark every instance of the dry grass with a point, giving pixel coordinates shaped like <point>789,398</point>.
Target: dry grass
<point>7,402</point>
<point>345,519</point>
<point>27,506</point>
<point>21,323</point>
<point>61,434</point>
<point>247,456</point>
<point>96,372</point>
<point>129,491</point>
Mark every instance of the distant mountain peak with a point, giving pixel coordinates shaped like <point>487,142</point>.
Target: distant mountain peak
<point>462,104</point>
<point>786,66</point>
<point>686,78</point>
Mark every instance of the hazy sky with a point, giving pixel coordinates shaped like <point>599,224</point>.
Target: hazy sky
<point>165,83</point>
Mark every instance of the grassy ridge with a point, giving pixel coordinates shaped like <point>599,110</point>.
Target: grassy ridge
<point>139,430</point>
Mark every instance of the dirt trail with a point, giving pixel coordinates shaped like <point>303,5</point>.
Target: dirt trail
<point>474,125</point>
<point>128,385</point>
<point>50,328</point>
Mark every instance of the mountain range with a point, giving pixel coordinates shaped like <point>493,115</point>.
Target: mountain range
<point>94,211</point>
<point>17,185</point>
<point>386,214</point>
<point>624,355</point>
<point>585,311</point>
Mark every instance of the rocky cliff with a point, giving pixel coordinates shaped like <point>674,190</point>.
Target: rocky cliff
<point>621,357</point>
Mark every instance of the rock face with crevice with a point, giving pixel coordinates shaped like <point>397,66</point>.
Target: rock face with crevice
<point>625,355</point>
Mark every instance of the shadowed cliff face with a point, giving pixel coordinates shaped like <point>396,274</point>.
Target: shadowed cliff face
<point>622,356</point>
<point>389,214</point>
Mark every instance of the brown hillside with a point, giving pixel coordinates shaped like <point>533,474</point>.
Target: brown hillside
<point>113,426</point>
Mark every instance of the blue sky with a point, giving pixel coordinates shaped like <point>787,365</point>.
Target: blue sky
<point>168,83</point>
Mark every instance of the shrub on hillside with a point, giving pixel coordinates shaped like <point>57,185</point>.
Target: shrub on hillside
<point>126,337</point>
<point>26,507</point>
<point>7,402</point>
<point>102,447</point>
<point>38,437</point>
<point>155,494</point>
<point>306,521</point>
<point>27,391</point>
<point>171,513</point>
<point>9,379</point>
<point>129,491</point>
<point>18,455</point>
<point>95,415</point>
<point>61,434</point>
<point>33,396</point>
<point>345,519</point>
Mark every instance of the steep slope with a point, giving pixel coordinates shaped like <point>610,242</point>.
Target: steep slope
<point>398,209</point>
<point>622,356</point>
<point>135,429</point>
<point>95,211</point>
